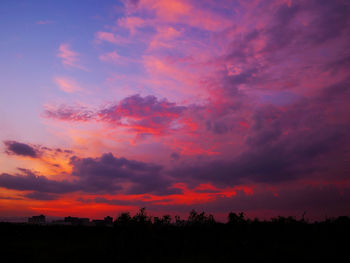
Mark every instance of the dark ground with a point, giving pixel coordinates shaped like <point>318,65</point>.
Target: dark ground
<point>198,239</point>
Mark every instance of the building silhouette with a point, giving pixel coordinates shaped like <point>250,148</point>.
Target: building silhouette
<point>107,221</point>
<point>37,219</point>
<point>77,220</point>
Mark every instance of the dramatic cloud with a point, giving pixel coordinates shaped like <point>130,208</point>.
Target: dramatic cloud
<point>284,144</point>
<point>239,104</point>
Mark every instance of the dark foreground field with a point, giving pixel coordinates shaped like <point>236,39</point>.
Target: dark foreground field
<point>195,240</point>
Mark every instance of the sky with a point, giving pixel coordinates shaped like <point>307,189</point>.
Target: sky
<point>219,106</point>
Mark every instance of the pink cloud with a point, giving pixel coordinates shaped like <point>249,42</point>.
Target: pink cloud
<point>167,77</point>
<point>69,57</point>
<point>142,115</point>
<point>109,37</point>
<point>110,57</point>
<point>171,11</point>
<point>165,37</point>
<point>132,23</point>
<point>67,85</point>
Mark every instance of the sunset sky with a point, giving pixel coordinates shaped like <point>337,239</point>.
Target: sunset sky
<point>231,105</point>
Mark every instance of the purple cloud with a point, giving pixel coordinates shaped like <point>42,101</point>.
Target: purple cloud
<point>17,148</point>
<point>108,173</point>
<point>32,182</point>
<point>284,144</point>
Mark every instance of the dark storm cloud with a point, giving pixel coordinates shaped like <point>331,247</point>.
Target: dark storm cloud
<point>33,182</point>
<point>17,148</point>
<point>106,172</point>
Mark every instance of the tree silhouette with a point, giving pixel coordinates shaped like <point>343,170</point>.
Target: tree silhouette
<point>141,216</point>
<point>233,218</point>
<point>123,219</point>
<point>200,218</point>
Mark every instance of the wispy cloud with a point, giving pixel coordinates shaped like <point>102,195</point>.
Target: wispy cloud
<point>44,22</point>
<point>69,57</point>
<point>67,84</point>
<point>102,36</point>
<point>110,57</point>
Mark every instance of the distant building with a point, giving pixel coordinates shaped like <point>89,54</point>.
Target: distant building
<point>107,221</point>
<point>37,219</point>
<point>76,220</point>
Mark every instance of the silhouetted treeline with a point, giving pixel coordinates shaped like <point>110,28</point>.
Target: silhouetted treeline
<point>198,238</point>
